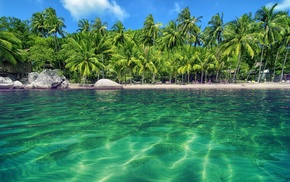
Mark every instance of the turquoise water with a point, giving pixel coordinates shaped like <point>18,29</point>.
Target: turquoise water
<point>145,135</point>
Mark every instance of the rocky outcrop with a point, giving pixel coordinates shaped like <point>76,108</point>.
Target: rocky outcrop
<point>5,82</point>
<point>47,79</point>
<point>106,84</point>
<point>32,76</point>
<point>17,85</point>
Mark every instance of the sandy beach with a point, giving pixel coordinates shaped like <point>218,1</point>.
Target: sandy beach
<point>211,86</point>
<point>268,85</point>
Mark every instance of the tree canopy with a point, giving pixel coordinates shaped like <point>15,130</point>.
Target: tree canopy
<point>179,51</point>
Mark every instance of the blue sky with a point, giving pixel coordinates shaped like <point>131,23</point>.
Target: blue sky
<point>134,12</point>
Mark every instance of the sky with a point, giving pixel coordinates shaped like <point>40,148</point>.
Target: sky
<point>132,13</point>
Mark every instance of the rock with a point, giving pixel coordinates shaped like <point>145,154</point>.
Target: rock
<point>24,80</point>
<point>106,84</point>
<point>5,82</point>
<point>32,76</point>
<point>56,85</point>
<point>29,86</point>
<point>47,79</point>
<point>17,85</point>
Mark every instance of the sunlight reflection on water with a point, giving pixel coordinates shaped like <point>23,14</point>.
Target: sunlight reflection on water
<point>145,135</point>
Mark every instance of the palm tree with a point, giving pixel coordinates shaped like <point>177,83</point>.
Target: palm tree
<point>119,34</point>
<point>172,63</point>
<point>271,24</point>
<point>116,69</point>
<point>205,61</point>
<point>284,62</point>
<point>214,32</point>
<point>171,39</point>
<point>220,62</point>
<point>279,47</point>
<point>198,38</point>
<point>54,25</point>
<point>9,47</point>
<point>187,25</point>
<point>38,24</point>
<point>147,61</point>
<point>189,55</point>
<point>150,31</point>
<point>99,27</point>
<point>171,36</point>
<point>81,56</point>
<point>84,25</point>
<point>286,40</point>
<point>213,35</point>
<point>103,50</point>
<point>239,39</point>
<point>141,60</point>
<point>125,56</point>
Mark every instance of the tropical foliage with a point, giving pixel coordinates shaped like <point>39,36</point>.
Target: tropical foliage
<point>243,49</point>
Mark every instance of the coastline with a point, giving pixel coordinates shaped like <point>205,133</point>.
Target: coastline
<point>268,85</point>
<point>253,86</point>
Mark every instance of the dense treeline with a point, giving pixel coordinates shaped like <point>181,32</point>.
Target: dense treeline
<point>180,51</point>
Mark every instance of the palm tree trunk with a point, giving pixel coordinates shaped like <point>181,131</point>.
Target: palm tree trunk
<point>84,79</point>
<point>181,77</point>
<point>119,78</point>
<point>248,74</point>
<point>282,72</point>
<point>125,77</point>
<point>274,71</point>
<point>55,42</point>
<point>217,75</point>
<point>250,71</point>
<point>130,77</point>
<point>201,77</point>
<point>237,68</point>
<point>142,79</point>
<point>266,62</point>
<point>260,66</point>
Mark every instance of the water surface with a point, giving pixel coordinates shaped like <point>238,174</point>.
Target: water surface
<point>145,135</point>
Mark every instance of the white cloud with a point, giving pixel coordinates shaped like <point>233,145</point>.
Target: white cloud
<point>83,8</point>
<point>176,8</point>
<point>282,6</point>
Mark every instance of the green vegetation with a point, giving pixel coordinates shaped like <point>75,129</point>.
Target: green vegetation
<point>179,52</point>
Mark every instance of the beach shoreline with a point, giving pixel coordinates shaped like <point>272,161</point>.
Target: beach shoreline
<point>265,86</point>
<point>253,86</point>
<point>268,85</point>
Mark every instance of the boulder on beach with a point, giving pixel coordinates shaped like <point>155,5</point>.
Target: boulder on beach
<point>32,76</point>
<point>47,79</point>
<point>5,82</point>
<point>106,84</point>
<point>17,85</point>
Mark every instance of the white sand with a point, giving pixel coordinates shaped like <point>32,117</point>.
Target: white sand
<point>210,86</point>
<point>265,86</point>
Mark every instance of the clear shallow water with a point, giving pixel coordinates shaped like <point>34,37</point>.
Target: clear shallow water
<point>145,135</point>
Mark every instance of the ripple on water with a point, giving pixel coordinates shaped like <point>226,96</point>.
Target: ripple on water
<point>145,135</point>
